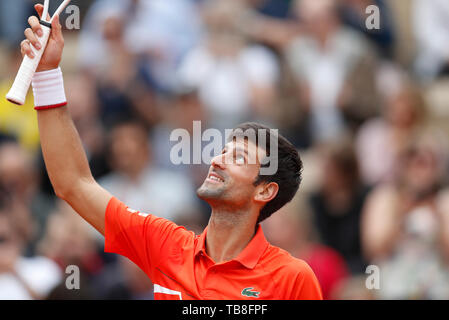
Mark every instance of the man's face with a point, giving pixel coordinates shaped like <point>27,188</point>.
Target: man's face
<point>231,177</point>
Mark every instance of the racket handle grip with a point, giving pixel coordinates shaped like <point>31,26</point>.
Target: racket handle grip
<point>18,92</point>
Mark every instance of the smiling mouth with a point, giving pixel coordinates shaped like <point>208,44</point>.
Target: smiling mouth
<point>215,178</point>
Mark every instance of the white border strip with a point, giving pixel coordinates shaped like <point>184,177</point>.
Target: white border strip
<point>161,289</point>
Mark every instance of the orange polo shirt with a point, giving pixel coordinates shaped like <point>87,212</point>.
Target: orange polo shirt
<point>177,263</point>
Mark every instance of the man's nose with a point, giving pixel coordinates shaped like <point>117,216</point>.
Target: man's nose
<point>219,161</point>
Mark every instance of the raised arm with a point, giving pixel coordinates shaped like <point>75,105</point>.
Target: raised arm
<point>64,156</point>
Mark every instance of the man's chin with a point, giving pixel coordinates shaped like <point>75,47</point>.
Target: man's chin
<point>206,192</point>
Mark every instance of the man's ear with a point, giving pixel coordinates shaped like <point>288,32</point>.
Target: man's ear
<point>266,192</point>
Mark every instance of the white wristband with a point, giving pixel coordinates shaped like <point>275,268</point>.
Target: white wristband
<point>48,89</point>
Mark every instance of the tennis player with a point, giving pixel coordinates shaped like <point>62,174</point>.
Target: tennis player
<point>231,259</point>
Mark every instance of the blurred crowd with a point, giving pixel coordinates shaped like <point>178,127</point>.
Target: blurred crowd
<point>368,111</point>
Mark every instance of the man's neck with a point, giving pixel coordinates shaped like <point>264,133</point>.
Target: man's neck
<point>228,233</point>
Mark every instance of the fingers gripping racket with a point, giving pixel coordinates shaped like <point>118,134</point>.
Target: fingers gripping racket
<point>19,89</point>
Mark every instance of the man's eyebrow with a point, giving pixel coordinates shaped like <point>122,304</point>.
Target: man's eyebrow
<point>245,150</point>
<point>237,149</point>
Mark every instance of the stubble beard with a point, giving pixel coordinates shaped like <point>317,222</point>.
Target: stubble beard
<point>207,193</point>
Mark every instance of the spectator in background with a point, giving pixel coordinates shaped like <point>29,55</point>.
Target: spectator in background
<point>273,8</point>
<point>292,229</point>
<point>69,241</point>
<point>273,23</point>
<point>20,193</point>
<point>338,203</point>
<point>123,281</point>
<point>405,224</point>
<point>123,84</point>
<point>430,21</point>
<point>187,103</point>
<point>158,32</point>
<point>114,74</point>
<point>353,288</point>
<point>322,58</point>
<point>179,113</point>
<point>353,14</point>
<point>137,181</point>
<point>13,17</point>
<point>380,140</point>
<point>270,23</point>
<point>235,79</point>
<point>22,278</point>
<point>19,122</point>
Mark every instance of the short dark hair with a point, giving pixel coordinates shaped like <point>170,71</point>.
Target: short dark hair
<point>289,169</point>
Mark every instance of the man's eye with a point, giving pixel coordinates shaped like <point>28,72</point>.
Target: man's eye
<point>240,160</point>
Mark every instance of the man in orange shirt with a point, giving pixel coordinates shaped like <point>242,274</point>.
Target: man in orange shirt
<point>231,259</point>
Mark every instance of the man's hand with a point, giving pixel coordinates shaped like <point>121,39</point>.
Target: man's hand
<point>53,53</point>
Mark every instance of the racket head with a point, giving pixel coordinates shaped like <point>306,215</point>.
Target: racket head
<point>58,11</point>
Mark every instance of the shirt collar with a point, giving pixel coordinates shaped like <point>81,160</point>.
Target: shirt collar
<point>249,256</point>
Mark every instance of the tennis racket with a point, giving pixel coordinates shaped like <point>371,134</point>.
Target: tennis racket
<point>22,83</point>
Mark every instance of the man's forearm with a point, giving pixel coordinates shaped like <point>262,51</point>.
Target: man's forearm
<point>68,168</point>
<point>64,155</point>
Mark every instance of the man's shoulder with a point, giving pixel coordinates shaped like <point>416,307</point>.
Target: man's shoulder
<point>280,260</point>
<point>291,275</point>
